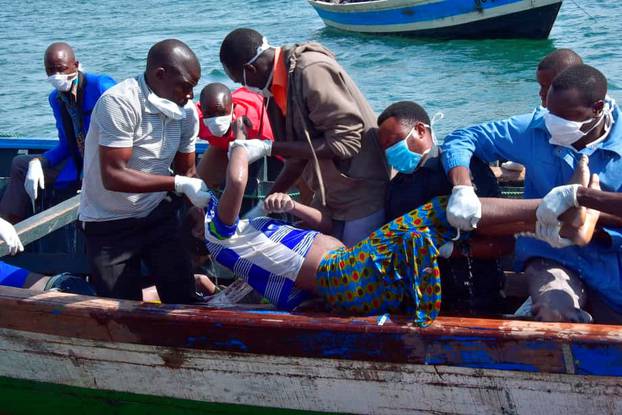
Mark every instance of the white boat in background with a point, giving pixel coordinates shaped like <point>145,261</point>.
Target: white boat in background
<point>466,19</point>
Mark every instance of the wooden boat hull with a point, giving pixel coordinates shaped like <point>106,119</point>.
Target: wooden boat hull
<point>458,19</point>
<point>124,354</point>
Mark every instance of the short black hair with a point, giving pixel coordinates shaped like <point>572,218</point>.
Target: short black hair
<point>560,60</point>
<point>406,112</point>
<point>589,81</point>
<point>239,47</point>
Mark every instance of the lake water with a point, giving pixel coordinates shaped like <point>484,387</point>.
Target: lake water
<point>470,81</point>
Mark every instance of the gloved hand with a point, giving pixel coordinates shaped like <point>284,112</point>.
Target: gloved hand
<point>256,149</point>
<point>556,202</point>
<point>278,203</point>
<point>10,237</point>
<point>464,209</point>
<point>35,179</point>
<point>550,234</point>
<point>195,189</point>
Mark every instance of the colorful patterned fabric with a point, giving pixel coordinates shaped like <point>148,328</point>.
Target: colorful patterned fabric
<point>394,270</point>
<point>264,252</point>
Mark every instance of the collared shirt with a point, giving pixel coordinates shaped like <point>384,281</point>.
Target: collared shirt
<point>279,81</point>
<point>124,118</point>
<point>525,139</point>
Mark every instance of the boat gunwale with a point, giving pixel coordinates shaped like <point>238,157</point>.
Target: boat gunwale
<point>104,310</point>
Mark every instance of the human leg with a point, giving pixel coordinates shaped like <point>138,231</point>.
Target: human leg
<point>15,204</point>
<point>557,292</point>
<point>113,250</point>
<point>164,253</point>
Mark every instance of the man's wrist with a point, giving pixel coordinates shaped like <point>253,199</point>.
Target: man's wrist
<point>460,176</point>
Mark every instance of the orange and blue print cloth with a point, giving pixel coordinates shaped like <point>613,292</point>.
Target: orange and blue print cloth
<point>394,270</point>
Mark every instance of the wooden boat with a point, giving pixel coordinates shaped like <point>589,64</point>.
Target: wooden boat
<point>64,353</point>
<point>470,19</point>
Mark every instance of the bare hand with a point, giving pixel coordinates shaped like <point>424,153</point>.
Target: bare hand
<point>278,203</point>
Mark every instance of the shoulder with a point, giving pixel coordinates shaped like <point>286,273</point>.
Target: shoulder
<point>122,98</point>
<point>100,81</point>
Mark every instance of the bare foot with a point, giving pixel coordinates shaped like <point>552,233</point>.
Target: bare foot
<point>582,235</point>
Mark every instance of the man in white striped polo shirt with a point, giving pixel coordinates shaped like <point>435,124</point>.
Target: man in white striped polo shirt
<point>140,130</point>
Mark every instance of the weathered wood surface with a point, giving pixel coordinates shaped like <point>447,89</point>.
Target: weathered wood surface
<point>330,385</point>
<point>45,222</point>
<point>462,342</point>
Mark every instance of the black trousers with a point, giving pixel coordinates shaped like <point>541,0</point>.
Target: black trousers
<point>115,250</point>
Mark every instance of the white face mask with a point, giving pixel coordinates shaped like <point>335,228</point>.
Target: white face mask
<point>62,82</point>
<point>565,133</point>
<point>265,91</point>
<point>166,107</point>
<point>218,126</point>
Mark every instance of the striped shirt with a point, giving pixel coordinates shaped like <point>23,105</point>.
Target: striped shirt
<point>124,118</point>
<point>265,252</point>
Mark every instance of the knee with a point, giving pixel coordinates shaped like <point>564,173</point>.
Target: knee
<point>19,165</point>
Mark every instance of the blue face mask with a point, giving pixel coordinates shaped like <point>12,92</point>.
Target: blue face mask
<point>401,158</point>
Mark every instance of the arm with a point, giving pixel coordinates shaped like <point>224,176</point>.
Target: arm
<point>237,177</point>
<point>61,151</point>
<point>312,218</point>
<point>118,177</point>
<point>489,141</point>
<point>607,202</point>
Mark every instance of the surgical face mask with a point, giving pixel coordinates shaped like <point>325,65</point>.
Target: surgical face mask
<point>402,159</point>
<point>166,107</point>
<point>218,126</point>
<point>265,91</point>
<point>565,132</point>
<point>62,82</point>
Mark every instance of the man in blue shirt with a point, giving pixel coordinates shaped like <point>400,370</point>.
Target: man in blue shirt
<point>72,100</point>
<point>580,120</point>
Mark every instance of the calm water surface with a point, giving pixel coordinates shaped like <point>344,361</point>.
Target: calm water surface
<point>471,81</point>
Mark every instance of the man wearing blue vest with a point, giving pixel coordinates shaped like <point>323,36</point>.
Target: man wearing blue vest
<point>72,100</point>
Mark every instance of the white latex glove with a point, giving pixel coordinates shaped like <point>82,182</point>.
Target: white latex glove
<point>556,202</point>
<point>446,250</point>
<point>35,179</point>
<point>464,209</point>
<point>255,212</point>
<point>194,189</point>
<point>278,203</point>
<point>256,149</point>
<point>550,234</point>
<point>10,237</point>
<point>512,166</point>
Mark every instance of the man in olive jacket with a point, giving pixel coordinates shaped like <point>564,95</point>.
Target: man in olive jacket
<point>323,127</point>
